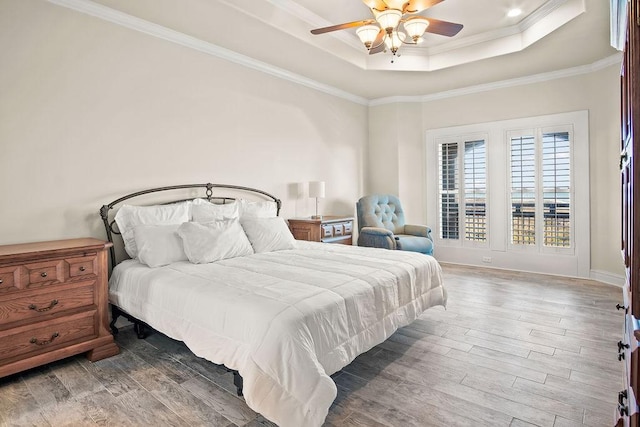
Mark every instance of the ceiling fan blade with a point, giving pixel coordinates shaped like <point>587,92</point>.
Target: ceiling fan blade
<point>378,44</point>
<point>415,6</point>
<point>342,26</point>
<point>444,28</point>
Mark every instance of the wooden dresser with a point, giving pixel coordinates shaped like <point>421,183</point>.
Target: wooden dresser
<point>628,404</point>
<point>53,303</point>
<point>328,229</point>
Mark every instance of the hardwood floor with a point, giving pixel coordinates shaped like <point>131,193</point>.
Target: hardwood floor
<point>511,349</point>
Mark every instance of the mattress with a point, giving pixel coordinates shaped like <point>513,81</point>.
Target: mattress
<point>286,320</point>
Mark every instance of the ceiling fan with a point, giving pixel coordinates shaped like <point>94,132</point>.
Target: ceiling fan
<point>385,32</point>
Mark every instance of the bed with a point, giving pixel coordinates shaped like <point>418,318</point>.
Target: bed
<point>283,316</point>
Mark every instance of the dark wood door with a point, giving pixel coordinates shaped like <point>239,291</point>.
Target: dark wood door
<point>630,185</point>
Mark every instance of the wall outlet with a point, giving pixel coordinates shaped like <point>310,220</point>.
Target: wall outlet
<point>486,259</point>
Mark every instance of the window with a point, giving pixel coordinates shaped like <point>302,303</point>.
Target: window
<point>475,191</point>
<point>556,179</point>
<point>500,189</point>
<point>449,217</point>
<point>523,190</point>
<point>470,189</point>
<point>540,173</point>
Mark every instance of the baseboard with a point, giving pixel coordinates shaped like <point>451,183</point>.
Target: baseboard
<point>600,276</point>
<point>608,278</point>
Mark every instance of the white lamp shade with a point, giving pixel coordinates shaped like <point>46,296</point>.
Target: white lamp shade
<point>389,19</point>
<point>368,34</point>
<point>416,27</point>
<point>316,189</point>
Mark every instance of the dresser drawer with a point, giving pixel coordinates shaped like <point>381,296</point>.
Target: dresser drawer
<point>47,335</point>
<point>327,230</point>
<point>341,232</point>
<point>10,278</point>
<point>44,273</point>
<point>42,304</point>
<point>83,266</point>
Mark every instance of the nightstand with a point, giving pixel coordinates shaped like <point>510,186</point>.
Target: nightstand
<point>53,303</point>
<point>328,229</point>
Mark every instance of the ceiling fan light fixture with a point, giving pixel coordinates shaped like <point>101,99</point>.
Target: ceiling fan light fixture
<point>415,28</point>
<point>389,19</point>
<point>368,34</point>
<point>395,23</point>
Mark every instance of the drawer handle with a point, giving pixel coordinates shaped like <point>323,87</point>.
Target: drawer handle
<point>40,310</point>
<point>43,274</point>
<point>82,268</point>
<point>620,307</point>
<point>1,281</point>
<point>622,408</point>
<point>44,342</point>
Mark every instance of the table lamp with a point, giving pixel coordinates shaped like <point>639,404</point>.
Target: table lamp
<point>316,190</point>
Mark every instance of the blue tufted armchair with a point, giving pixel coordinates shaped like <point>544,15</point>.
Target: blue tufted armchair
<point>381,225</point>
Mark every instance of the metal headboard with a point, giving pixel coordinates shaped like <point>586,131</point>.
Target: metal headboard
<point>109,225</point>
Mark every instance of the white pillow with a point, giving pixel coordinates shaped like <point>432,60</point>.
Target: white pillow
<point>203,211</point>
<point>128,217</point>
<point>159,245</point>
<point>264,209</point>
<point>214,241</point>
<point>268,234</point>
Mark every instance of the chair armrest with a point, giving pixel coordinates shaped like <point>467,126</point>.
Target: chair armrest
<point>418,230</point>
<point>376,237</point>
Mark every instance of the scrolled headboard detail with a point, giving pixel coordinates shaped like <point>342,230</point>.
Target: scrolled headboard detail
<point>208,195</point>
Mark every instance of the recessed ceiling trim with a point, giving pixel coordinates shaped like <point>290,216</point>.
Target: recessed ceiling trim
<point>304,14</point>
<point>270,12</point>
<point>544,10</point>
<point>134,23</point>
<point>536,17</point>
<point>615,59</point>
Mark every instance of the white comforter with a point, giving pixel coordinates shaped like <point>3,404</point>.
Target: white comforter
<point>285,320</point>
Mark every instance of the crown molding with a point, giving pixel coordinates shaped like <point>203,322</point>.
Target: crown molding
<point>489,36</point>
<point>137,24</point>
<point>615,59</point>
<point>96,10</point>
<point>293,8</point>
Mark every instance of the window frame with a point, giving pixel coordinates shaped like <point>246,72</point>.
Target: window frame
<point>498,253</point>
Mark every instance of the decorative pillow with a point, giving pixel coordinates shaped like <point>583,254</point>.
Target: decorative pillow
<point>159,245</point>
<point>264,209</point>
<point>203,211</point>
<point>268,234</point>
<point>128,217</point>
<point>214,241</point>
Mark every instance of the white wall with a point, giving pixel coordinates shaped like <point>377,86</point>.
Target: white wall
<point>90,111</point>
<point>597,92</point>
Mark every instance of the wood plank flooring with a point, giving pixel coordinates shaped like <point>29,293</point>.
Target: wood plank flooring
<point>511,349</point>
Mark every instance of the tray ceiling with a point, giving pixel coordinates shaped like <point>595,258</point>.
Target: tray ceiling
<point>548,36</point>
